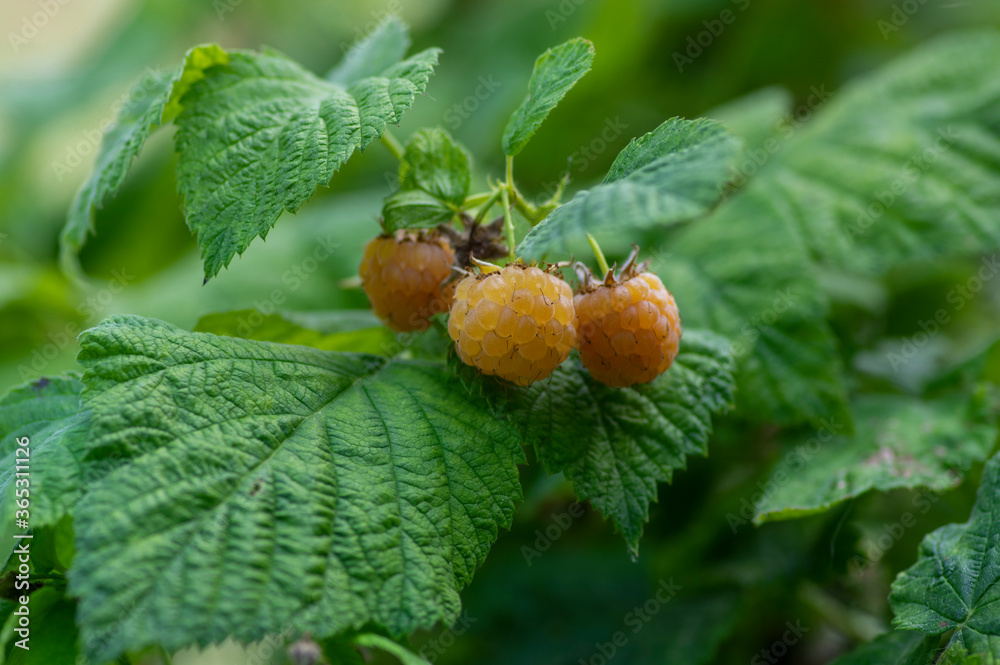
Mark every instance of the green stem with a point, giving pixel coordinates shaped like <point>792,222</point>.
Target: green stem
<point>529,211</point>
<point>602,262</point>
<point>476,200</point>
<point>487,204</point>
<point>402,654</point>
<point>508,221</point>
<point>510,172</point>
<point>393,145</point>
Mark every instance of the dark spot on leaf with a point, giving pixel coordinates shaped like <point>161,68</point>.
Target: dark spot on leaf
<point>41,384</point>
<point>256,487</point>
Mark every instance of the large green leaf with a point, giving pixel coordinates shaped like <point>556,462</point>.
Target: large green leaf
<point>955,583</point>
<point>434,178</point>
<point>616,445</point>
<point>47,412</point>
<point>262,484</point>
<point>900,442</point>
<point>744,273</point>
<point>153,101</point>
<point>259,134</point>
<point>904,164</point>
<point>556,71</point>
<point>672,174</point>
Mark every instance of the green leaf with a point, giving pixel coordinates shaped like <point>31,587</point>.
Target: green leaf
<point>414,209</point>
<point>744,273</point>
<point>687,630</point>
<point>614,444</point>
<point>47,412</point>
<point>438,165</point>
<point>261,485</point>
<point>258,135</point>
<point>955,583</point>
<point>556,71</point>
<point>900,442</point>
<point>673,174</point>
<point>434,179</point>
<point>383,48</point>
<point>903,164</point>
<point>153,101</point>
<point>359,331</point>
<point>898,647</point>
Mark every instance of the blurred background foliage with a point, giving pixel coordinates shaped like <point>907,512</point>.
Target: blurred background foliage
<point>61,85</point>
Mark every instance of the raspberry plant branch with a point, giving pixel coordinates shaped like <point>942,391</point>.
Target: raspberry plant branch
<point>393,145</point>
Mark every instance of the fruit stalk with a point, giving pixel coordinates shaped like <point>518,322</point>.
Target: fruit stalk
<point>602,263</point>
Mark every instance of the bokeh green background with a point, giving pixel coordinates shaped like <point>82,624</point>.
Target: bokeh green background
<point>61,83</point>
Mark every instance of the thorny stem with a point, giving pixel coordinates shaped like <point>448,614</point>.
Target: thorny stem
<point>602,263</point>
<point>393,145</point>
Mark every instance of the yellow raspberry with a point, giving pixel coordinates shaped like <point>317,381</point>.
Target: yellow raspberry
<point>629,331</point>
<point>404,277</point>
<point>516,323</point>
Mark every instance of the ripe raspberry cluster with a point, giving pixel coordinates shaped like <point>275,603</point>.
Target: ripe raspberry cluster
<point>520,322</point>
<point>515,323</point>
<point>404,275</point>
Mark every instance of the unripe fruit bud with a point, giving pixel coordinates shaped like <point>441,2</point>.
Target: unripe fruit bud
<point>516,323</point>
<point>629,331</point>
<point>404,274</point>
